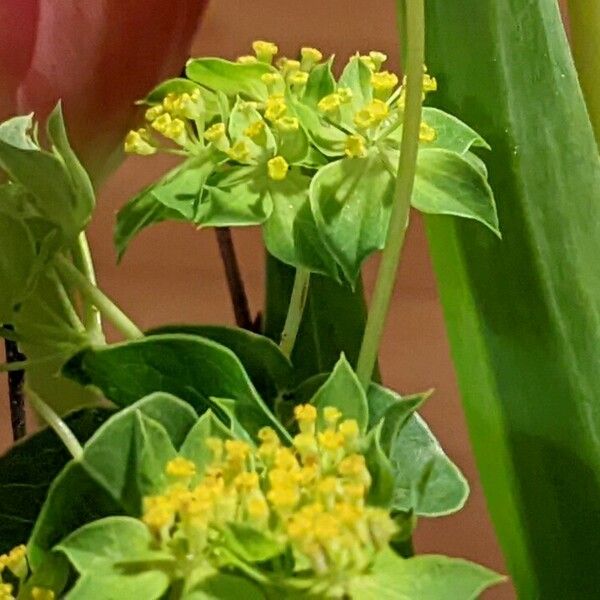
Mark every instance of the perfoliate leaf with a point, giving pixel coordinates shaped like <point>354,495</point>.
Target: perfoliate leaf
<point>351,201</point>
<point>328,139</point>
<point>381,492</point>
<point>221,585</point>
<point>250,544</point>
<point>357,76</point>
<point>343,391</point>
<point>241,205</point>
<point>150,585</point>
<point>242,116</point>
<point>320,83</point>
<point>427,577</point>
<point>230,78</point>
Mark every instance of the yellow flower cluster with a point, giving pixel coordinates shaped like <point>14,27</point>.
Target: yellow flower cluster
<point>16,562</point>
<point>310,497</point>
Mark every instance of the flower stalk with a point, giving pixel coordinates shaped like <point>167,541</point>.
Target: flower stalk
<point>386,278</point>
<point>295,311</point>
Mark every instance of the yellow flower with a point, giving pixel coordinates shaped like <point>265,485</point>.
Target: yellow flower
<point>427,133</point>
<point>246,481</point>
<point>306,415</point>
<point>298,78</point>
<point>278,168</point>
<point>6,590</point>
<point>288,66</point>
<point>331,415</point>
<point>378,109</point>
<point>284,498</point>
<point>268,435</point>
<point>175,131</point>
<point>258,508</point>
<point>306,443</point>
<point>180,468</point>
<point>265,51</point>
<point>154,112</point>
<point>256,132</point>
<point>39,593</point>
<point>364,119</point>
<point>378,58</point>
<point>429,83</point>
<point>137,142</point>
<point>383,83</point>
<point>310,57</point>
<point>371,115</point>
<point>159,518</point>
<point>237,450</point>
<point>287,124</point>
<point>247,60</point>
<point>331,440</point>
<point>349,429</point>
<point>329,104</point>
<point>273,81</point>
<point>215,445</point>
<point>345,94</point>
<point>16,561</point>
<point>286,460</point>
<point>368,62</point>
<point>275,107</point>
<point>215,133</point>
<point>239,152</point>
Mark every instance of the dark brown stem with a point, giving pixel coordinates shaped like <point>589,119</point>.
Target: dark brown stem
<point>235,283</point>
<point>15,391</point>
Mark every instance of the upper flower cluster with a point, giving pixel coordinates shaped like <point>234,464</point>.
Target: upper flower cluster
<point>308,500</point>
<point>16,562</point>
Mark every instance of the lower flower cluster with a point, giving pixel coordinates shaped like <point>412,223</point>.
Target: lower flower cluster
<point>16,563</point>
<point>309,500</point>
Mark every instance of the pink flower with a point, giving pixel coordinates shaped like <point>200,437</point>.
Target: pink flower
<point>98,56</point>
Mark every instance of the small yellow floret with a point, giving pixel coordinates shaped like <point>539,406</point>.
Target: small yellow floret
<point>311,55</point>
<point>364,119</point>
<point>287,124</point>
<point>384,82</point>
<point>6,591</point>
<point>427,133</point>
<point>306,443</point>
<point>345,94</point>
<point>275,107</point>
<point>330,103</point>
<point>288,66</point>
<point>137,142</point>
<point>368,62</point>
<point>258,508</point>
<point>247,481</point>
<point>271,79</point>
<point>247,60</point>
<point>180,468</point>
<point>176,131</point>
<point>349,429</point>
<point>240,152</point>
<point>237,450</point>
<point>215,133</point>
<point>265,51</point>
<point>378,58</point>
<point>305,412</point>
<point>429,83</point>
<point>39,593</point>
<point>355,146</point>
<point>331,415</point>
<point>154,112</point>
<point>284,497</point>
<point>268,435</point>
<point>331,440</point>
<point>278,168</point>
<point>298,78</point>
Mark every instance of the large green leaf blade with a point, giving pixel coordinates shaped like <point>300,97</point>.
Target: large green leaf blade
<point>524,314</point>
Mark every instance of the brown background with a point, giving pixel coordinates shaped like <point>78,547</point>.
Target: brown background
<point>172,273</point>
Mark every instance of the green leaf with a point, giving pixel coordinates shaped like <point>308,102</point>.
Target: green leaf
<point>222,585</point>
<point>105,545</point>
<point>25,479</point>
<point>189,367</point>
<point>327,299</point>
<point>357,76</point>
<point>383,487</point>
<point>194,447</point>
<point>242,116</point>
<point>53,574</point>
<point>268,369</point>
<point>230,78</point>
<point>522,315</point>
<point>447,184</point>
<point>290,233</point>
<point>428,577</point>
<point>17,261</point>
<point>328,139</point>
<point>320,84</point>
<point>351,201</point>
<point>250,544</point>
<point>150,585</point>
<point>177,85</point>
<point>122,462</point>
<point>343,391</point>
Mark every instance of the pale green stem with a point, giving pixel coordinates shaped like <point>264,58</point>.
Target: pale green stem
<point>295,311</point>
<point>104,304</point>
<point>82,258</point>
<point>386,278</point>
<point>584,17</point>
<point>56,423</point>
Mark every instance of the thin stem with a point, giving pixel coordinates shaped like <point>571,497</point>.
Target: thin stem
<point>584,18</point>
<point>386,278</point>
<point>104,304</point>
<point>235,283</point>
<point>82,258</point>
<point>295,311</point>
<point>58,425</point>
<point>16,379</point>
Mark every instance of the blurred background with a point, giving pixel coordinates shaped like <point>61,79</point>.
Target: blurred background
<point>173,273</point>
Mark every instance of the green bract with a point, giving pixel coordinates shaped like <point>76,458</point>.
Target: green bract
<point>310,159</point>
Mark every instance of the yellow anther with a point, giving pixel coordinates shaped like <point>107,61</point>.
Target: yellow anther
<point>311,55</point>
<point>287,124</point>
<point>345,94</point>
<point>246,481</point>
<point>288,66</point>
<point>383,83</point>
<point>305,413</point>
<point>191,106</point>
<point>372,114</point>
<point>364,119</point>
<point>265,51</point>
<point>137,142</point>
<point>268,435</point>
<point>278,168</point>
<point>6,591</point>
<point>176,131</point>
<point>39,593</point>
<point>368,62</point>
<point>16,561</point>
<point>355,146</point>
<point>378,58</point>
<point>349,429</point>
<point>330,104</point>
<point>331,440</point>
<point>352,466</point>
<point>236,450</point>
<point>331,415</point>
<point>378,109</point>
<point>285,460</point>
<point>215,133</point>
<point>275,107</point>
<point>159,518</point>
<point>308,474</point>
<point>429,83</point>
<point>240,152</point>
<point>284,497</point>
<point>427,133</point>
<point>154,112</point>
<point>162,122</point>
<point>272,80</point>
<point>326,528</point>
<point>247,60</point>
<point>180,468</point>
<point>299,78</point>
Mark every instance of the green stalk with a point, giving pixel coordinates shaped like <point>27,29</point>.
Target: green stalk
<point>295,311</point>
<point>82,258</point>
<point>584,16</point>
<point>386,278</point>
<point>95,296</point>
<point>56,423</point>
